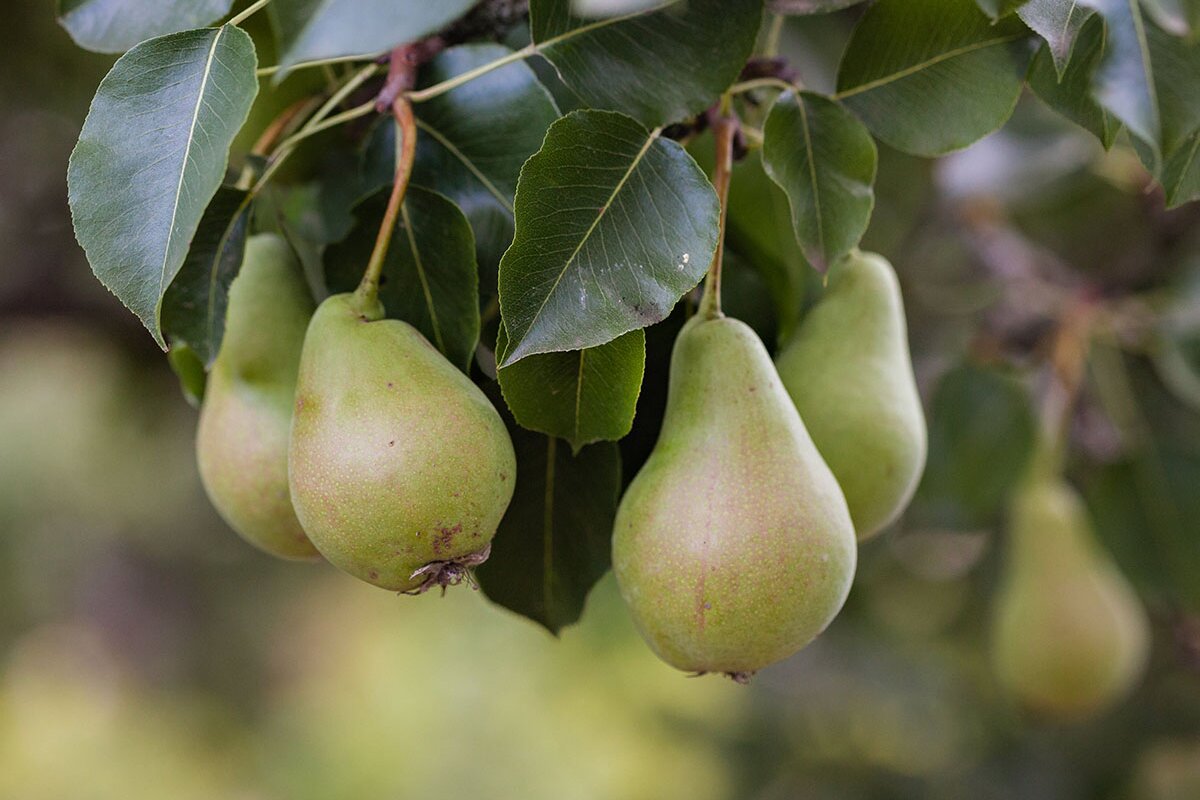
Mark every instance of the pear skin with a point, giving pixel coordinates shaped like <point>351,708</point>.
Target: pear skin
<point>733,546</point>
<point>850,374</point>
<point>400,467</point>
<point>1070,636</point>
<point>242,440</point>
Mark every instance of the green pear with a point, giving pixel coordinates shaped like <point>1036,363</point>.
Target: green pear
<point>849,372</point>
<point>242,441</point>
<point>733,546</point>
<point>1069,635</point>
<point>400,466</point>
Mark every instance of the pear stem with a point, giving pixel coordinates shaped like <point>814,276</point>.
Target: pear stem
<point>1068,358</point>
<point>725,128</point>
<point>402,74</point>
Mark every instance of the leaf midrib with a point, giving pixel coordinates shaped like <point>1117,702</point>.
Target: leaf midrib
<point>926,64</point>
<point>468,163</point>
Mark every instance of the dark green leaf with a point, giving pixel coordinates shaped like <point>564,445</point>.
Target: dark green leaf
<point>430,277</point>
<point>1070,93</point>
<point>999,8</point>
<point>1177,17</point>
<point>1181,175</point>
<point>934,76</point>
<point>657,66</point>
<point>553,543</point>
<point>809,6</point>
<point>151,155</point>
<point>1124,80</point>
<point>114,26</point>
<point>194,306</point>
<point>613,226</point>
<point>320,29</point>
<point>1059,23</point>
<point>188,367</point>
<point>610,8</point>
<point>824,159</point>
<point>981,435</point>
<point>584,396</point>
<point>1176,64</point>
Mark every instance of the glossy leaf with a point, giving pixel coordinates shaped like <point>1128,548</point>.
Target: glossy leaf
<point>151,155</point>
<point>934,76</point>
<point>657,66</point>
<point>610,8</point>
<point>809,6</point>
<point>114,26</point>
<point>613,226</point>
<point>1070,93</point>
<point>1059,23</point>
<point>553,543</point>
<point>1124,79</point>
<point>1181,174</point>
<point>189,368</point>
<point>195,303</point>
<point>1176,64</point>
<point>583,396</point>
<point>999,8</point>
<point>429,278</point>
<point>320,29</point>
<point>824,159</point>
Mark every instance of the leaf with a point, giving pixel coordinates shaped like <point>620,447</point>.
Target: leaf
<point>114,26</point>
<point>1059,23</point>
<point>194,306</point>
<point>800,7</point>
<point>430,277</point>
<point>1124,81</point>
<point>610,8</point>
<point>824,159</point>
<point>1177,17</point>
<point>151,155</point>
<point>189,368</point>
<point>1181,175</point>
<point>657,66</point>
<point>934,76</point>
<point>1176,65</point>
<point>1070,93</point>
<point>553,543</point>
<point>999,8</point>
<point>613,225</point>
<point>981,435</point>
<point>474,139</point>
<point>338,28</point>
<point>583,396</point>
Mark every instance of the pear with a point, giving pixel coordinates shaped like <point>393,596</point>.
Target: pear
<point>242,441</point>
<point>1070,636</point>
<point>849,372</point>
<point>733,546</point>
<point>400,466</point>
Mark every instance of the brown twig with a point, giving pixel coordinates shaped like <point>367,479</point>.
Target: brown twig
<point>725,129</point>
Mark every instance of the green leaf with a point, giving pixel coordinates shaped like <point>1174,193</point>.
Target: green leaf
<point>429,277</point>
<point>584,396</point>
<point>1059,23</point>
<point>799,7</point>
<point>1181,175</point>
<point>1176,64</point>
<point>1124,79</point>
<point>320,29</point>
<point>981,434</point>
<point>114,26</point>
<point>151,155</point>
<point>610,8</point>
<point>934,76</point>
<point>474,139</point>
<point>1070,93</point>
<point>189,368</point>
<point>824,159</point>
<point>553,543</point>
<point>194,306</point>
<point>999,8</point>
<point>613,225</point>
<point>657,66</point>
<point>1176,17</point>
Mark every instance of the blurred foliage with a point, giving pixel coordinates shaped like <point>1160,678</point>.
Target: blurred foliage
<point>145,652</point>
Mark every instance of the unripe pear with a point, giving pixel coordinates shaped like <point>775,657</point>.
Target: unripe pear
<point>733,546</point>
<point>401,468</point>
<point>850,374</point>
<point>242,441</point>
<point>1070,636</point>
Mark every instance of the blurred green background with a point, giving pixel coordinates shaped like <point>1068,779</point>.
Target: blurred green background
<point>145,652</point>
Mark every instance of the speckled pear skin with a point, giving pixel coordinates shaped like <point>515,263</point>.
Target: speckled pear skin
<point>397,459</point>
<point>242,440</point>
<point>1070,636</point>
<point>733,546</point>
<point>850,374</point>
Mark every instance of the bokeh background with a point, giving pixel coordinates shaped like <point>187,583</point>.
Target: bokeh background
<point>145,652</point>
